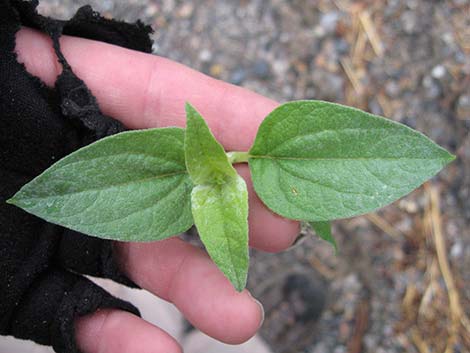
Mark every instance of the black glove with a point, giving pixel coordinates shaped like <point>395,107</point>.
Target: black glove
<point>41,287</point>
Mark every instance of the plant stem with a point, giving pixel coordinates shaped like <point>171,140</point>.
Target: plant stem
<point>238,157</point>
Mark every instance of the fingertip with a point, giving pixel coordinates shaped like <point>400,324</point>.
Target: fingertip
<point>184,275</point>
<point>108,330</point>
<point>210,302</point>
<point>244,319</point>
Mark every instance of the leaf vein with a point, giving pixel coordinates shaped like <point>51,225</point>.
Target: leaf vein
<point>108,187</point>
<point>296,137</point>
<point>316,182</point>
<point>143,209</point>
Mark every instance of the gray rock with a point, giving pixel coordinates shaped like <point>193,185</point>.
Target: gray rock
<point>438,72</point>
<point>261,69</point>
<point>340,349</point>
<point>456,250</point>
<point>328,21</point>
<point>393,89</point>
<point>463,107</point>
<point>205,55</point>
<point>431,87</point>
<point>409,22</point>
<point>238,76</point>
<point>320,347</point>
<point>342,47</point>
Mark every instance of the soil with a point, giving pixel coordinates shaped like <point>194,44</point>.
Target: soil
<point>388,288</point>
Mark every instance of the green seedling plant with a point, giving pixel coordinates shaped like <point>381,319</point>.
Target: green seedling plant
<point>311,161</point>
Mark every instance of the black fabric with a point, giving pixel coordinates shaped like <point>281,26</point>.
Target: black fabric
<point>41,287</point>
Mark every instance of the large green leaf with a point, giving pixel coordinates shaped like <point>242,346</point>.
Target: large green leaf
<point>132,186</point>
<point>320,161</point>
<point>219,200</point>
<point>220,212</point>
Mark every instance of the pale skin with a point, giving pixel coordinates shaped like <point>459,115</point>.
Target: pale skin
<point>143,91</point>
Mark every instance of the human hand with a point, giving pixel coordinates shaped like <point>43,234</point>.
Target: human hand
<point>144,91</point>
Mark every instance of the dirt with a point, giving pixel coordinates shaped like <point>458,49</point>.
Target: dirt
<point>387,290</point>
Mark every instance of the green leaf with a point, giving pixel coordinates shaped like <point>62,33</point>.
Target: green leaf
<point>320,161</point>
<point>132,186</point>
<point>219,200</point>
<point>323,230</point>
<point>205,157</point>
<point>220,212</point>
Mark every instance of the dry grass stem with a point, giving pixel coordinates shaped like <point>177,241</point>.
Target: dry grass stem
<point>456,312</point>
<point>359,48</point>
<point>372,35</point>
<point>321,268</point>
<point>352,76</point>
<point>383,225</point>
<point>419,342</point>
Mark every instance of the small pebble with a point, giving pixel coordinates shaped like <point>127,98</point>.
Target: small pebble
<point>261,69</point>
<point>431,87</point>
<point>409,22</point>
<point>342,46</point>
<point>463,107</point>
<point>238,76</point>
<point>185,11</point>
<point>438,72</point>
<point>340,349</point>
<point>205,55</point>
<point>328,21</point>
<point>392,89</point>
<point>151,10</point>
<point>456,250</point>
<point>216,70</point>
<point>321,347</point>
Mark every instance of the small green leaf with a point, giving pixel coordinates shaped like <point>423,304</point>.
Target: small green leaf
<point>321,161</point>
<point>219,200</point>
<point>205,157</point>
<point>220,212</point>
<point>323,230</point>
<point>132,186</point>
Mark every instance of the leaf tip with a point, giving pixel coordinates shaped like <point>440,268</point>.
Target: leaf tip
<point>323,231</point>
<point>239,283</point>
<point>192,115</point>
<point>189,108</point>
<point>239,287</point>
<point>446,156</point>
<point>11,201</point>
<point>447,159</point>
<point>16,199</point>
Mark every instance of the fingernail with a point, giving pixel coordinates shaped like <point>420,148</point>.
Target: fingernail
<point>260,307</point>
<point>299,240</point>
<point>262,312</point>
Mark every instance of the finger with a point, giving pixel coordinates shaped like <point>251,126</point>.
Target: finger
<point>178,272</point>
<point>144,90</point>
<point>109,331</point>
<point>268,231</point>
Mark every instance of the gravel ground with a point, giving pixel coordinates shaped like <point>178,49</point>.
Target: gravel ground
<point>409,60</point>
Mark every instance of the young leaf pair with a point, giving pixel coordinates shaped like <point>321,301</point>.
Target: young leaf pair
<point>311,160</point>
